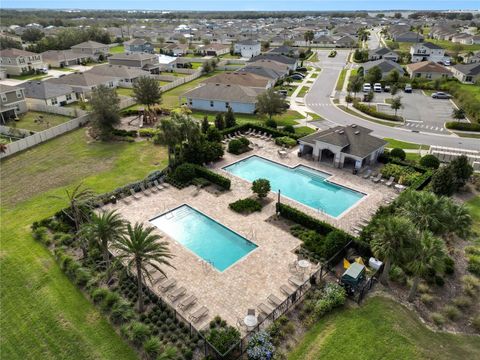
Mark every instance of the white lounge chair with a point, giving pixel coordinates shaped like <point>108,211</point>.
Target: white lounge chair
<point>158,185</point>
<point>186,303</point>
<point>377,178</point>
<point>134,194</point>
<point>390,181</point>
<point>367,174</point>
<point>144,190</point>
<point>167,284</point>
<point>177,293</point>
<point>198,314</point>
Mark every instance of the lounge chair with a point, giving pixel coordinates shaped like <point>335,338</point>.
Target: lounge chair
<point>293,267</point>
<point>157,278</point>
<point>158,185</point>
<point>167,284</point>
<point>177,293</point>
<point>390,181</point>
<point>265,309</point>
<point>198,314</point>
<point>295,281</point>
<point>270,137</point>
<point>144,190</point>
<point>274,300</point>
<point>134,194</point>
<point>152,187</point>
<point>357,229</point>
<point>287,290</point>
<point>186,303</point>
<point>367,174</point>
<point>377,178</point>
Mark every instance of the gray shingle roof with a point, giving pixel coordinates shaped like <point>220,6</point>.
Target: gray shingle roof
<point>45,89</point>
<point>89,45</point>
<point>275,57</point>
<point>384,65</point>
<point>223,92</point>
<point>468,69</point>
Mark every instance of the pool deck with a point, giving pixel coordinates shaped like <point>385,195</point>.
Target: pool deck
<point>249,281</point>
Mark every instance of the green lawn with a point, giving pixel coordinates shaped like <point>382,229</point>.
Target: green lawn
<point>341,80</point>
<point>392,143</point>
<point>29,77</point>
<point>380,329</point>
<point>116,49</point>
<point>303,91</point>
<point>287,118</point>
<point>313,75</point>
<point>315,117</point>
<point>229,56</point>
<point>125,92</point>
<point>44,316</point>
<point>28,120</point>
<point>449,46</point>
<point>360,115</point>
<point>64,69</point>
<point>196,65</point>
<point>474,207</point>
<point>304,130</point>
<point>290,88</point>
<point>313,57</point>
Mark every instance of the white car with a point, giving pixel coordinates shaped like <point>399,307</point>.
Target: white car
<point>367,87</point>
<point>377,87</point>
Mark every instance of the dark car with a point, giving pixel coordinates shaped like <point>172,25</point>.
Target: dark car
<point>441,95</point>
<point>408,88</point>
<point>299,74</point>
<point>386,88</point>
<point>282,92</point>
<point>302,69</point>
<point>296,77</point>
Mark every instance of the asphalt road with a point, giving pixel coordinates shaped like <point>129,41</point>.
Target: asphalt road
<point>319,101</point>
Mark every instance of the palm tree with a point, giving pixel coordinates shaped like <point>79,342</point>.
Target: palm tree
<point>429,254</point>
<point>390,238</point>
<point>140,248</point>
<point>77,198</point>
<point>105,228</point>
<point>457,221</point>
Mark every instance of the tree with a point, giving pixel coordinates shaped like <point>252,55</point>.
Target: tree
<point>469,55</point>
<point>355,85</point>
<point>349,99</point>
<point>105,228</point>
<point>456,49</point>
<point>393,76</point>
<point>392,235</point>
<point>219,121</point>
<point>230,118</point>
<point>140,249</point>
<point>430,161</point>
<point>462,170</point>
<point>270,103</point>
<point>374,75</point>
<point>396,104</point>
<point>458,114</point>
<point>205,124</point>
<point>213,134</point>
<point>105,109</point>
<point>458,221</point>
<point>147,91</point>
<point>261,187</point>
<point>443,181</point>
<point>397,15</point>
<point>309,36</point>
<point>8,43</point>
<point>171,137</point>
<point>429,254</point>
<point>32,35</point>
<point>78,208</point>
<point>398,153</point>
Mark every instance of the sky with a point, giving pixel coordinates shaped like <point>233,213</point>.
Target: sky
<point>246,5</point>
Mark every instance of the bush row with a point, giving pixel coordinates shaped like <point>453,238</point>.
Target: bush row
<point>455,125</point>
<point>213,177</point>
<point>125,133</point>
<point>287,141</point>
<point>375,113</point>
<point>245,206</point>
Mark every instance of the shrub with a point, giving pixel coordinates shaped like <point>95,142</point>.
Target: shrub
<point>472,250</point>
<point>213,177</point>
<point>122,312</point>
<point>110,300</point>
<point>462,126</point>
<point>449,265</point>
<point>430,161</point>
<point>285,141</point>
<point>238,146</point>
<point>397,275</point>
<point>372,111</point>
<point>261,187</point>
<point>451,312</point>
<point>476,323</point>
<point>398,153</point>
<point>213,134</point>
<point>334,242</point>
<point>124,133</point>
<point>99,294</point>
<point>138,332</point>
<point>245,206</point>
<point>438,319</point>
<point>271,123</point>
<point>289,129</point>
<point>82,276</point>
<point>427,299</point>
<point>402,174</point>
<point>152,347</point>
<point>444,182</point>
<point>474,264</point>
<point>260,346</point>
<point>462,302</point>
<point>333,296</point>
<point>41,234</point>
<point>150,133</point>
<point>184,173</point>
<point>223,338</point>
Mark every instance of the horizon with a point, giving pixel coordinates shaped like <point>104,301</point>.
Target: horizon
<point>250,5</point>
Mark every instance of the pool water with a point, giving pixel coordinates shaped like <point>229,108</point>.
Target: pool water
<point>307,186</point>
<point>202,235</point>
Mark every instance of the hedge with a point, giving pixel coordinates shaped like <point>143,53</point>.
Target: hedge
<point>274,132</point>
<point>422,181</point>
<point>213,177</point>
<point>454,125</point>
<point>124,133</point>
<point>373,112</point>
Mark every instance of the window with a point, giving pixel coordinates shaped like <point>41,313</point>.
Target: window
<point>4,97</point>
<point>69,97</point>
<point>211,103</point>
<point>227,105</point>
<point>19,94</point>
<point>190,102</point>
<point>54,101</point>
<point>428,76</point>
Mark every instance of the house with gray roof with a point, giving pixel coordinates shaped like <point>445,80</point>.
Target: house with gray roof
<point>289,62</point>
<point>383,53</point>
<point>63,58</point>
<point>92,49</point>
<point>49,93</point>
<point>84,83</point>
<point>385,66</point>
<point>263,71</point>
<point>138,45</point>
<point>144,61</point>
<point>124,75</point>
<point>467,73</point>
<point>12,102</point>
<point>343,146</point>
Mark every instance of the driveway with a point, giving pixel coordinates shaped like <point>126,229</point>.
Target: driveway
<point>421,112</point>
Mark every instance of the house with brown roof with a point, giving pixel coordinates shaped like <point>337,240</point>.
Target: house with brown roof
<point>216,49</point>
<point>428,70</point>
<point>143,61</point>
<point>18,62</point>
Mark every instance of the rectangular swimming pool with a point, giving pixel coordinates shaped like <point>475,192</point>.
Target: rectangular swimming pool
<point>301,183</point>
<point>204,236</point>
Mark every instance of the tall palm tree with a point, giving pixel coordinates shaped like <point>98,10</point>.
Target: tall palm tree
<point>390,241</point>
<point>105,228</point>
<point>140,248</point>
<point>429,253</point>
<point>457,221</point>
<point>77,198</point>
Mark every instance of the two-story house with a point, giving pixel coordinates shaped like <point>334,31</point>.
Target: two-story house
<point>48,93</point>
<point>427,52</point>
<point>93,49</point>
<point>12,102</point>
<point>247,48</point>
<point>144,61</point>
<point>18,62</point>
<point>383,53</point>
<point>138,45</point>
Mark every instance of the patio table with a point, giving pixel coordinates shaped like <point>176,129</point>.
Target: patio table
<point>250,321</point>
<point>303,265</point>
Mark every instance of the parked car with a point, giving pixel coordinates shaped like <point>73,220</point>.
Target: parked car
<point>441,95</point>
<point>299,74</point>
<point>302,69</point>
<point>377,87</point>
<point>296,77</point>
<point>367,87</point>
<point>333,53</point>
<point>408,88</point>
<point>282,92</point>
<point>387,88</point>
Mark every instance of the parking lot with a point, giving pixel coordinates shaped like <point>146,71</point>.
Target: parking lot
<point>421,112</point>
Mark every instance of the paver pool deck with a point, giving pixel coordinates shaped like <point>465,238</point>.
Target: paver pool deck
<point>262,272</point>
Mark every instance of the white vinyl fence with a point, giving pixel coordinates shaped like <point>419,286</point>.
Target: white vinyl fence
<point>181,81</point>
<point>59,110</point>
<point>42,136</point>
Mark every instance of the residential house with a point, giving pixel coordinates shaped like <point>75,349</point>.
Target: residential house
<point>175,49</point>
<point>383,53</point>
<point>93,49</point>
<point>216,49</point>
<point>138,45</point>
<point>49,93</point>
<point>12,102</point>
<point>290,62</point>
<point>385,66</point>
<point>342,146</point>
<point>467,73</point>
<point>63,58</point>
<point>144,61</point>
<point>167,63</point>
<point>427,52</point>
<point>219,97</point>
<point>18,62</point>
<point>285,50</point>
<point>407,36</point>
<point>247,48</point>
<point>346,41</point>
<point>242,79</point>
<point>428,70</point>
<point>125,76</point>
<point>282,69</point>
<point>263,71</point>
<point>83,83</point>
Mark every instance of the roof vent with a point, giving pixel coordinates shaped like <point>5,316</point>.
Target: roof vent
<point>354,125</point>
<point>341,132</point>
<point>217,84</point>
<point>357,132</point>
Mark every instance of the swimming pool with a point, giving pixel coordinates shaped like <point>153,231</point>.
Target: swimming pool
<point>202,235</point>
<point>301,183</point>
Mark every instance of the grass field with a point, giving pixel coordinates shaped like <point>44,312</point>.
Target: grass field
<point>474,207</point>
<point>125,92</point>
<point>290,88</point>
<point>27,120</point>
<point>313,57</point>
<point>341,80</point>
<point>315,117</point>
<point>29,77</point>
<point>287,118</point>
<point>392,143</point>
<point>116,49</point>
<point>196,65</point>
<point>304,130</point>
<point>314,76</point>
<point>44,316</point>
<point>360,115</point>
<point>303,91</point>
<point>380,329</point>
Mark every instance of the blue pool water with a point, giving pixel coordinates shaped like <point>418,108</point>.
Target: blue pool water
<point>204,236</point>
<point>301,184</point>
